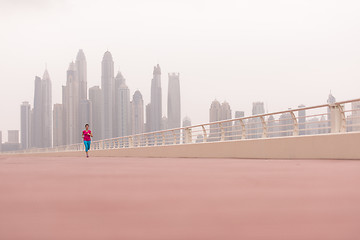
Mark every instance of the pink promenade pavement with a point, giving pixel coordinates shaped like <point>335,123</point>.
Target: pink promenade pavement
<point>165,199</point>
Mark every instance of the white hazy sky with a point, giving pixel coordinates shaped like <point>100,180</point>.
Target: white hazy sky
<point>282,52</point>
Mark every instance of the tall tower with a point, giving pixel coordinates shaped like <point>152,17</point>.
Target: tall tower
<point>25,113</point>
<point>156,100</point>
<point>47,110</point>
<point>84,104</point>
<point>123,110</point>
<point>137,113</point>
<point>215,115</point>
<point>302,120</point>
<point>71,102</point>
<point>81,70</point>
<point>37,121</point>
<point>95,97</point>
<point>119,80</point>
<point>174,104</point>
<point>226,114</point>
<point>107,85</point>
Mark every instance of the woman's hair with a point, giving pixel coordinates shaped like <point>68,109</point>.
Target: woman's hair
<point>86,125</point>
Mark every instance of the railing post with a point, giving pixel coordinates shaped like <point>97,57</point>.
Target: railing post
<point>264,127</point>
<point>188,136</point>
<point>243,129</point>
<point>204,132</point>
<point>131,143</point>
<point>337,118</point>
<point>222,132</point>
<point>296,125</point>
<point>163,138</point>
<point>147,140</point>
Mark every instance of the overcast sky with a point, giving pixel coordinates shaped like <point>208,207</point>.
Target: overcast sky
<point>282,52</point>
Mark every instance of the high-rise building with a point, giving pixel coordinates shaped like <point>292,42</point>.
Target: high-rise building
<point>286,124</point>
<point>118,81</point>
<point>95,97</point>
<point>84,104</point>
<point>71,105</point>
<point>302,120</point>
<point>148,117</point>
<point>174,103</point>
<point>123,110</point>
<point>41,123</point>
<point>47,110</point>
<point>25,113</point>
<point>13,136</point>
<point>225,115</point>
<point>37,125</point>
<point>186,122</point>
<point>81,71</point>
<point>272,127</point>
<point>58,126</point>
<point>85,113</point>
<point>107,87</point>
<point>258,108</point>
<point>215,115</point>
<point>137,113</point>
<point>156,100</point>
<point>254,125</point>
<point>237,125</point>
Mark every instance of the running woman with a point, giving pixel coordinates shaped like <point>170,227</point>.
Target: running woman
<point>87,135</point>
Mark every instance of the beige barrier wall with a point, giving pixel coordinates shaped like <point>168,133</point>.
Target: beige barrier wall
<point>329,146</point>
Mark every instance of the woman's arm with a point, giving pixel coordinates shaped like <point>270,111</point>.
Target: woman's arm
<point>91,134</point>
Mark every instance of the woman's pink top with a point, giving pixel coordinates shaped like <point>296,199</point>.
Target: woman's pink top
<point>87,135</point>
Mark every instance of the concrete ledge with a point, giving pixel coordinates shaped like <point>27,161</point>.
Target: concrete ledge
<point>328,146</point>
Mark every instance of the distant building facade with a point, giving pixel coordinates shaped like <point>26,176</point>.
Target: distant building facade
<point>174,101</point>
<point>25,125</point>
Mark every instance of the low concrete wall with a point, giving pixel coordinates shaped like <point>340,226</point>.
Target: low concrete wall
<point>329,146</point>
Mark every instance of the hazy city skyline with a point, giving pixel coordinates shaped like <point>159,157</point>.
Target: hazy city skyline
<point>237,51</point>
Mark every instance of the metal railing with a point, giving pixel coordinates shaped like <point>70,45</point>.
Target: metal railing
<point>321,119</point>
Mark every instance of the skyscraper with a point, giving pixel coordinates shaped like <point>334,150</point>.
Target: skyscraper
<point>123,110</point>
<point>174,104</point>
<point>47,110</point>
<point>58,126</point>
<point>302,120</point>
<point>148,117</point>
<point>95,97</point>
<point>156,100</point>
<point>254,125</point>
<point>215,115</point>
<point>84,104</point>
<point>37,121</point>
<point>81,70</point>
<point>225,115</point>
<point>137,113</point>
<point>107,86</point>
<point>119,80</point>
<point>41,122</point>
<point>25,115</point>
<point>71,103</point>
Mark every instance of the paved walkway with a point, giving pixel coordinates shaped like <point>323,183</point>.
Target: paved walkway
<point>178,199</point>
